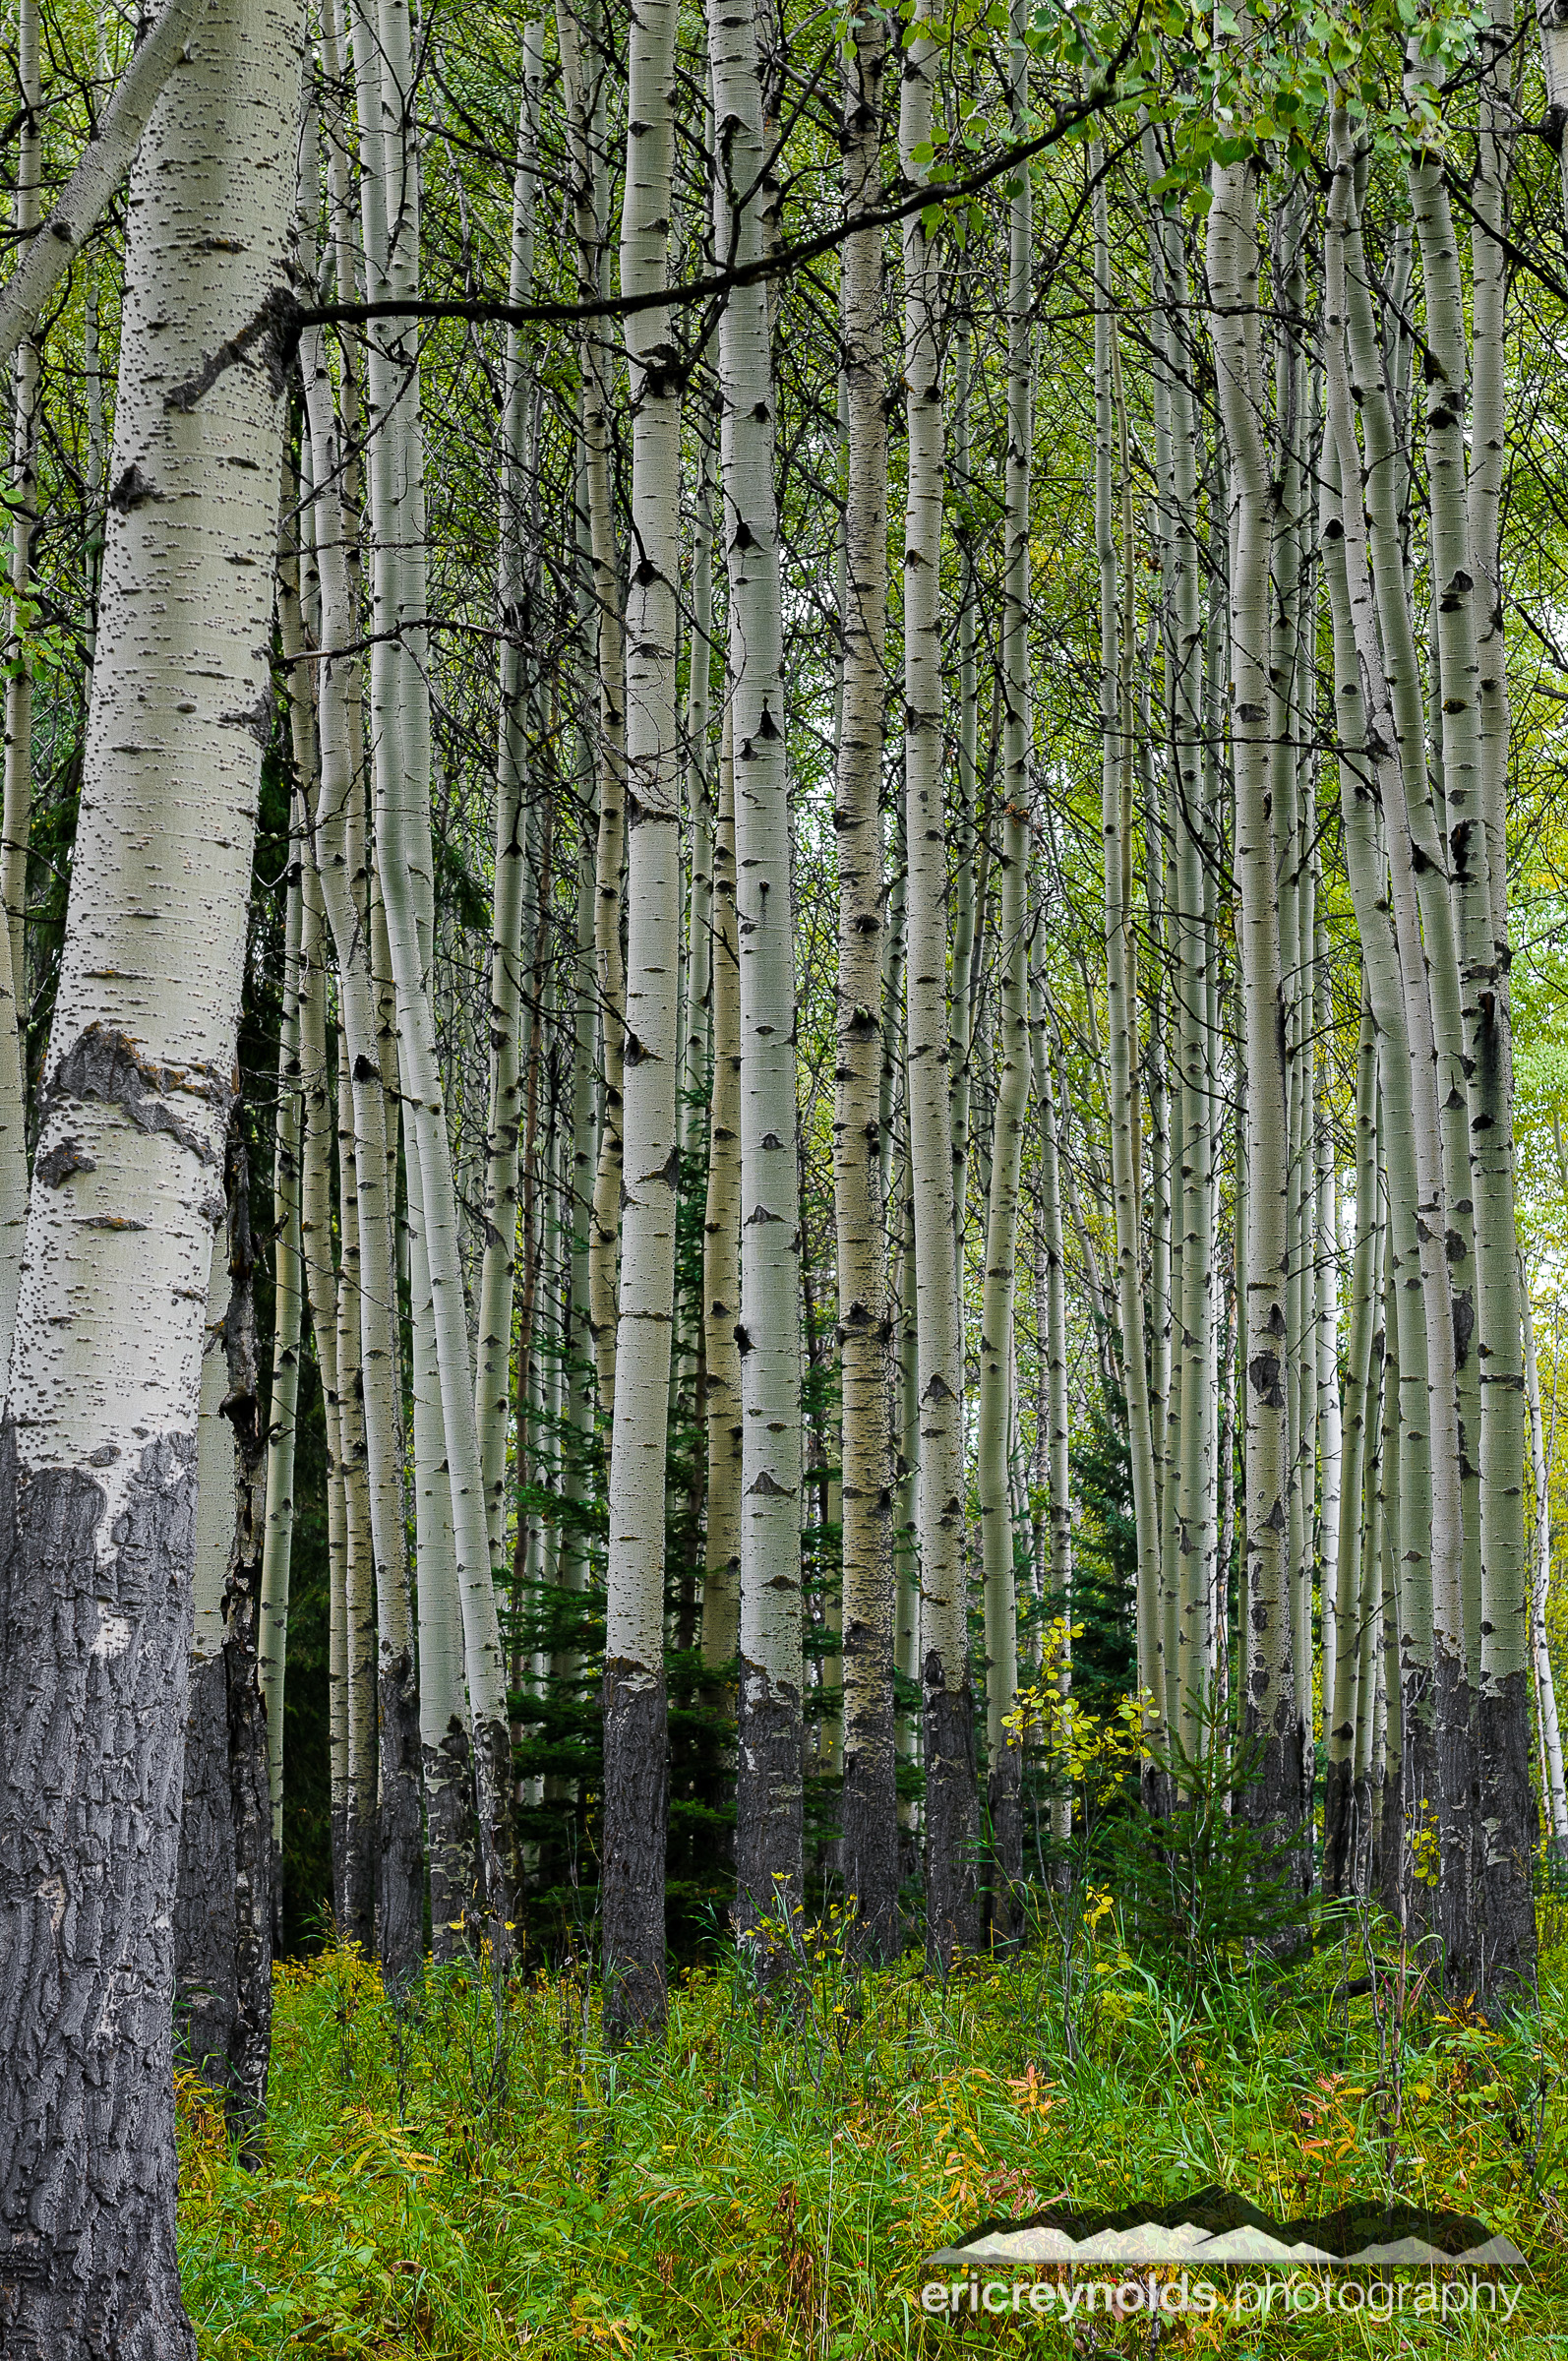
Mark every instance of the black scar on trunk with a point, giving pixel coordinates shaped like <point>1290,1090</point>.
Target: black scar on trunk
<point>637,1785</point>
<point>94,1668</point>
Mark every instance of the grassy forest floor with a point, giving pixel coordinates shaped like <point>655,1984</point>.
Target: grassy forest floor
<point>478,2180</point>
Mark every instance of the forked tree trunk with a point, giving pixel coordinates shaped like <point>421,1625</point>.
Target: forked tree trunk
<point>98,1453</point>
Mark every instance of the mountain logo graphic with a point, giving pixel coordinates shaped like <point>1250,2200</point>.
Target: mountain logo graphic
<point>1218,2230</point>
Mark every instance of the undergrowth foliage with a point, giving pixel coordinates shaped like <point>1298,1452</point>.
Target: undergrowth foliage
<point>478,2177</point>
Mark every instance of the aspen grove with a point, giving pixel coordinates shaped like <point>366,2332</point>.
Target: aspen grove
<point>783,1024</point>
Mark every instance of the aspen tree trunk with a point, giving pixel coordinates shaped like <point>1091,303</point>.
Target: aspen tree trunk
<point>1284,653</point>
<point>104,162</point>
<point>287,1174</point>
<point>97,1452</point>
<point>721,1250</point>
<point>445,1746</point>
<point>250,1803</point>
<point>341,864</point>
<point>951,1797</point>
<point>512,900</point>
<point>320,1288</point>
<point>18,780</point>
<point>580,1372</point>
<point>583,80</point>
<point>869,1800</point>
<point>768,1797</point>
<point>1344,1704</point>
<point>284,1397</point>
<point>636,1726</point>
<point>1507,1818</point>
<point>204,1998</point>
<point>1326,1324</point>
<point>968,937</point>
<point>355,1906</point>
<point>1154,1676</point>
<point>26,386</point>
<point>1554,1794</point>
<point>696,1043</point>
<point>1457,698</point>
<point>997,1382</point>
<point>1273,1710</point>
<point>1193,1309</point>
<point>1057,1431</point>
<point>1435,1731</point>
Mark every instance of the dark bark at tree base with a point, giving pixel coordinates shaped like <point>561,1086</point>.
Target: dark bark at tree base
<point>1004,1887</point>
<point>1279,1805</point>
<point>449,1829</point>
<point>1419,1798</point>
<point>399,1880</point>
<point>769,1840</point>
<point>1456,1914</point>
<point>251,1815</point>
<point>205,2002</point>
<point>1508,1829</point>
<point>94,1669</point>
<point>1339,1804</point>
<point>500,1870</point>
<point>637,1791</point>
<point>1388,1843</point>
<point>952,1820</point>
<point>869,1802</point>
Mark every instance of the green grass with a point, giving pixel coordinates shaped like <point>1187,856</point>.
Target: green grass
<point>480,2179</point>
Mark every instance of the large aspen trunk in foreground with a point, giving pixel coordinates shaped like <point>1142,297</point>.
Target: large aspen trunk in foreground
<point>97,1454</point>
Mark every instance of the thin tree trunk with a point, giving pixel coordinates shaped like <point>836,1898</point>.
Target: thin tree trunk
<point>1156,1677</point>
<point>721,1251</point>
<point>511,926</point>
<point>636,1719</point>
<point>951,1798</point>
<point>869,1802</point>
<point>769,1796</point>
<point>1274,1712</point>
<point>998,1360</point>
